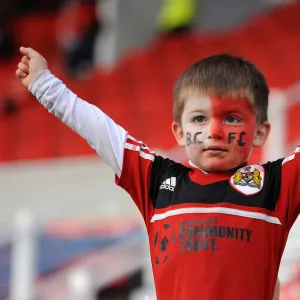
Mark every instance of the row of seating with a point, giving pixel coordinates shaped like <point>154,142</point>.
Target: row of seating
<point>137,94</point>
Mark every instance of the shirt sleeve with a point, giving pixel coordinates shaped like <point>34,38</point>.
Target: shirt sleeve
<point>138,170</point>
<point>142,174</point>
<point>290,186</point>
<point>101,132</point>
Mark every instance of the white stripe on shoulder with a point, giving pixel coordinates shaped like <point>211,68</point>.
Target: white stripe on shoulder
<point>147,156</point>
<point>291,156</point>
<point>147,148</point>
<point>142,145</point>
<point>219,210</point>
<point>288,158</point>
<point>132,138</point>
<point>132,147</point>
<point>142,154</point>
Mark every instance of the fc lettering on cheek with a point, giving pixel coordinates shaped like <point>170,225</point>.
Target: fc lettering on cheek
<point>231,138</point>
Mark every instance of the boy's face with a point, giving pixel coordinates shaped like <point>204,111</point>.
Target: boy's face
<point>219,134</point>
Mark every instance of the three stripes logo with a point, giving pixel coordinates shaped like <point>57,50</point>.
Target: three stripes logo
<point>168,184</point>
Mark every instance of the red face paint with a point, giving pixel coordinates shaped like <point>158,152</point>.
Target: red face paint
<point>227,129</point>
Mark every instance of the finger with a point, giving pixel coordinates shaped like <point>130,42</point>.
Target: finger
<point>28,51</point>
<point>21,74</point>
<point>23,67</point>
<point>25,60</point>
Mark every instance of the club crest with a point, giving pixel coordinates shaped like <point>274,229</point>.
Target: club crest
<point>248,180</point>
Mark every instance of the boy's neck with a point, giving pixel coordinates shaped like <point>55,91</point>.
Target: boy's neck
<point>231,171</point>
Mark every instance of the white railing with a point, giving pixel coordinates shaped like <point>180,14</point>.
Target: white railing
<point>23,264</point>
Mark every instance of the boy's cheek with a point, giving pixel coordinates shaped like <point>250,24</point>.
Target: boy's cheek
<point>192,138</point>
<point>241,143</point>
<point>237,138</point>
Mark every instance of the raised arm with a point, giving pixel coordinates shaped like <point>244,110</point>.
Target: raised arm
<point>102,133</point>
<point>140,173</point>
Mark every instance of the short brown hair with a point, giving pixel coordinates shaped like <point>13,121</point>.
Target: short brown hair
<point>223,75</point>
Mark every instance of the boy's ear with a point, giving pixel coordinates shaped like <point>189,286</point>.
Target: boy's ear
<point>178,133</point>
<point>261,134</point>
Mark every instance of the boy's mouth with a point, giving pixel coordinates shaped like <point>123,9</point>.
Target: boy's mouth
<point>214,148</point>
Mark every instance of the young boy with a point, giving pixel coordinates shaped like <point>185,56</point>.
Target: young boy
<point>217,229</point>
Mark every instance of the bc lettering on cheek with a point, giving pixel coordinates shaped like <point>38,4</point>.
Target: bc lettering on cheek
<point>193,138</point>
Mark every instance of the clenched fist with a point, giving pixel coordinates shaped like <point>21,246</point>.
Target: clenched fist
<point>31,64</point>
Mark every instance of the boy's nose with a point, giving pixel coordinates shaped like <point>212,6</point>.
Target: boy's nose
<point>216,130</point>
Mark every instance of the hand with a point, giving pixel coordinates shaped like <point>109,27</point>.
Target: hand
<point>31,64</point>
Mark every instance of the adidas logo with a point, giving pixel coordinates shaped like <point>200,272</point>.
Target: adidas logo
<point>168,184</point>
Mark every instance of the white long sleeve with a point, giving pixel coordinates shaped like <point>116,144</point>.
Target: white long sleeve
<point>101,132</point>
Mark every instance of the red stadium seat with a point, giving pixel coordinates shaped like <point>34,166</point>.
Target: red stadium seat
<point>32,131</point>
<point>137,94</point>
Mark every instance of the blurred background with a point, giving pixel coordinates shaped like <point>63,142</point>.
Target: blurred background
<point>67,232</point>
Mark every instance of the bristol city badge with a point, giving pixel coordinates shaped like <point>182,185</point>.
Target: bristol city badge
<point>248,180</point>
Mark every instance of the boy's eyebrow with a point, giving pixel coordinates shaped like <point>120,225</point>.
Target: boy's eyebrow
<point>225,111</point>
<point>198,111</point>
<point>234,111</point>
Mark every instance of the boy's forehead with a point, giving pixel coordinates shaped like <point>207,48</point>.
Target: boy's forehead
<point>198,101</point>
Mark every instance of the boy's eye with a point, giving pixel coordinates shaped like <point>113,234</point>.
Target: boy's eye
<point>199,119</point>
<point>232,120</point>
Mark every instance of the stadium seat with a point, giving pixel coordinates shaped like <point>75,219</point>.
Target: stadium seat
<point>137,94</point>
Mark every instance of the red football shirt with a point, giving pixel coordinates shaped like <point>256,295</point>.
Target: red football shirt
<point>213,236</point>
